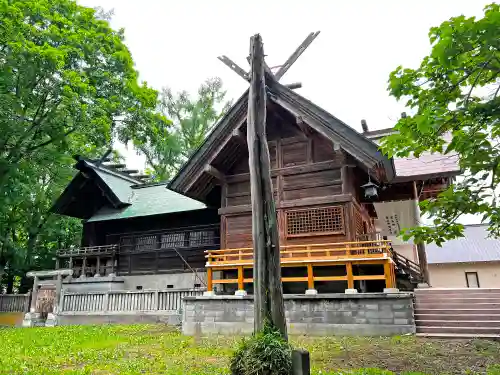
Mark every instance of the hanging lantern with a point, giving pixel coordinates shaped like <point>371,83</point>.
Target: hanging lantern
<point>371,189</point>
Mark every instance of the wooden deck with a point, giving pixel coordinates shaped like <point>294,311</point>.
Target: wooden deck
<point>309,256</point>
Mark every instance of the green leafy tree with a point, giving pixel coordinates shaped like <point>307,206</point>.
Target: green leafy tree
<point>454,95</point>
<point>168,146</point>
<point>67,86</point>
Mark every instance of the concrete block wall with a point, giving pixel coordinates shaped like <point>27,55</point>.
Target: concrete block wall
<point>367,314</point>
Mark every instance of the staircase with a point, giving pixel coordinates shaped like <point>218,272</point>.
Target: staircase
<point>408,274</point>
<point>473,312</point>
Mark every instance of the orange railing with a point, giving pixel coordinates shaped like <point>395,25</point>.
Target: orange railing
<point>327,252</point>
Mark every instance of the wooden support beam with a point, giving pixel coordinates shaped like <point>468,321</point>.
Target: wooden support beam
<point>302,125</point>
<point>214,172</point>
<point>293,86</point>
<point>350,276</point>
<point>234,67</point>
<point>268,289</point>
<point>240,278</point>
<point>129,171</point>
<point>210,285</point>
<point>310,277</point>
<point>388,273</point>
<point>239,137</point>
<point>291,60</point>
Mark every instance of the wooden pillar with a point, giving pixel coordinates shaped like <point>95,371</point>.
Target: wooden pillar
<point>422,255</point>
<point>240,278</point>
<point>350,276</point>
<point>268,289</point>
<point>210,286</point>
<point>310,277</point>
<point>34,294</point>
<point>388,273</point>
<point>98,266</point>
<point>84,266</point>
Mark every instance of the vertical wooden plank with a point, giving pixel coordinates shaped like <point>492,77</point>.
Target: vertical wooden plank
<point>388,274</point>
<point>310,276</point>
<point>240,278</point>
<point>350,276</point>
<point>210,286</point>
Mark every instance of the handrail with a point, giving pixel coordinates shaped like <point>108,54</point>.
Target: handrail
<point>338,244</point>
<point>88,250</point>
<point>306,252</point>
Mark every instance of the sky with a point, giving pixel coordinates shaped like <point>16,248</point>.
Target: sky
<point>345,70</point>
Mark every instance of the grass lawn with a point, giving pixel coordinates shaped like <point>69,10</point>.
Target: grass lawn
<point>152,350</point>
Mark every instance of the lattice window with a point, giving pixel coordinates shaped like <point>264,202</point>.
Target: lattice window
<point>145,243</point>
<point>313,221</point>
<point>201,238</point>
<point>171,240</point>
<point>360,229</point>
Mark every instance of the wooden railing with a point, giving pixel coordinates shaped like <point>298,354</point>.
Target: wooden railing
<point>91,250</point>
<point>126,301</point>
<point>327,252</point>
<point>14,302</point>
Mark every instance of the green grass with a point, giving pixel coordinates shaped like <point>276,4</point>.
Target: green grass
<point>153,350</point>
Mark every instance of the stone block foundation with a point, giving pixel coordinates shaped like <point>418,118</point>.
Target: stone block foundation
<point>365,314</point>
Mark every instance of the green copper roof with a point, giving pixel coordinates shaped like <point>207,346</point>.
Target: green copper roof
<point>149,200</point>
<point>120,187</point>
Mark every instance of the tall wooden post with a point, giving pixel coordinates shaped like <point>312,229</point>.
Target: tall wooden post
<point>268,290</point>
<point>422,255</point>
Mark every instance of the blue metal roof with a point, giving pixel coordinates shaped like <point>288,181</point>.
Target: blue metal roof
<point>475,246</point>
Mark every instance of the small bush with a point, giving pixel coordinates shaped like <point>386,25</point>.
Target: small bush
<point>265,353</point>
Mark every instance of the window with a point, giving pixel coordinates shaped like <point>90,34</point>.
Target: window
<point>145,243</point>
<point>314,221</point>
<point>197,285</point>
<point>171,240</point>
<point>170,286</point>
<point>472,279</point>
<point>138,287</point>
<point>201,238</point>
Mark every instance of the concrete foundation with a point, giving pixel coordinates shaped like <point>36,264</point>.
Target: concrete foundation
<point>366,314</point>
<point>139,317</point>
<point>93,284</point>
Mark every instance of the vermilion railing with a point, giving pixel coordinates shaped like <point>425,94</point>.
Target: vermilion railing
<point>338,251</point>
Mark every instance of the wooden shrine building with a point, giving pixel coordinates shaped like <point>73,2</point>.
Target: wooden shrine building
<point>195,231</point>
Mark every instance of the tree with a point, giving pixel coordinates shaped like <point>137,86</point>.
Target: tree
<point>168,146</point>
<point>67,86</point>
<point>63,73</point>
<point>454,95</point>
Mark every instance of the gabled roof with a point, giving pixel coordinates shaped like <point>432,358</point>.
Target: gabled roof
<point>97,193</point>
<point>361,148</point>
<point>149,200</point>
<point>475,246</point>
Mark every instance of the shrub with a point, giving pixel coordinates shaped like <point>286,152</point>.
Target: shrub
<point>265,353</point>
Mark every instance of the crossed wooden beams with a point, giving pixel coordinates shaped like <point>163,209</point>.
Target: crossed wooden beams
<point>282,68</point>
<point>237,134</point>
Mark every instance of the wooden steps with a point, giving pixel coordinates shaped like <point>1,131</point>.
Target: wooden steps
<point>458,312</point>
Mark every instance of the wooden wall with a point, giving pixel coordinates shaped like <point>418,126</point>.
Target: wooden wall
<point>313,190</point>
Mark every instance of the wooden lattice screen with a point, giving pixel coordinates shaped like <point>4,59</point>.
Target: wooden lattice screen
<point>313,221</point>
<point>360,229</point>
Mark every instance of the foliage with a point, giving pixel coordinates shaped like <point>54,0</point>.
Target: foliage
<point>265,353</point>
<point>67,86</point>
<point>158,349</point>
<point>454,95</point>
<point>168,146</point>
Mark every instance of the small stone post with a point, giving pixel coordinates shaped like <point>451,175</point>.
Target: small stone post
<point>301,363</point>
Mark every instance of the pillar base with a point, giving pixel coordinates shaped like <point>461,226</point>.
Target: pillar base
<point>51,320</point>
<point>241,293</point>
<point>31,319</point>
<point>391,290</point>
<point>351,291</point>
<point>311,292</point>
<point>423,285</point>
<point>97,275</point>
<point>209,293</point>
